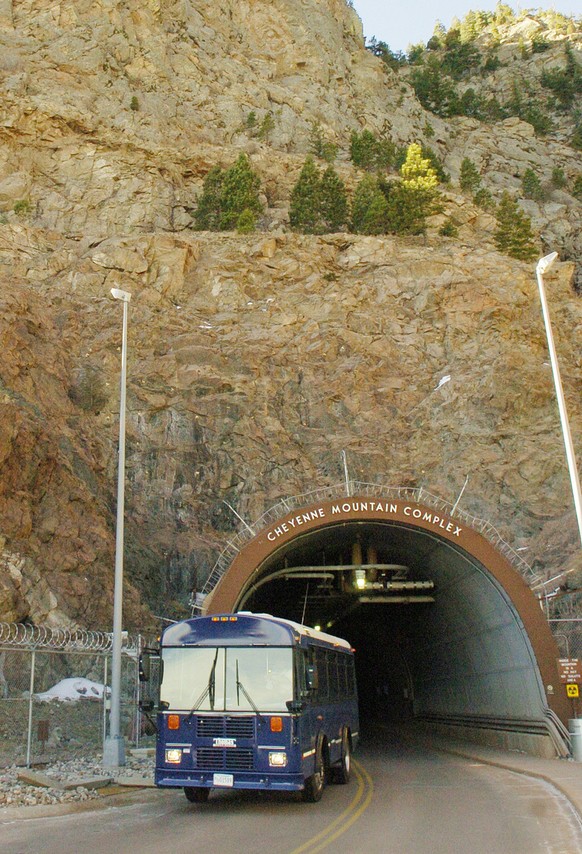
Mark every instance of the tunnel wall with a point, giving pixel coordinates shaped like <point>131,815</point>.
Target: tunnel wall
<point>475,668</point>
<point>485,654</point>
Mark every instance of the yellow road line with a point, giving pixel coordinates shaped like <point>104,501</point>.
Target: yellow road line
<point>345,820</point>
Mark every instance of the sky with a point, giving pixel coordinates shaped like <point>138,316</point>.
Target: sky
<point>402,24</point>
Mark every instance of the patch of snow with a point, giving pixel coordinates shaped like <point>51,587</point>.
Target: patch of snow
<point>73,689</point>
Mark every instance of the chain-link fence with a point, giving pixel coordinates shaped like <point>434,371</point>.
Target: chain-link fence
<point>54,697</point>
<point>568,634</point>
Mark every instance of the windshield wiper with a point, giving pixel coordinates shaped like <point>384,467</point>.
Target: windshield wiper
<point>209,691</point>
<point>241,687</point>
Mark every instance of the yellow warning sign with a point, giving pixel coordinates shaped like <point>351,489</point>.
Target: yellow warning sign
<point>572,690</point>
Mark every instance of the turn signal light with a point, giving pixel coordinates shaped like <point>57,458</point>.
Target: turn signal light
<point>276,724</point>
<point>173,721</point>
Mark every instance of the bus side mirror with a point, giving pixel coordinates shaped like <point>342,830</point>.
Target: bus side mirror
<point>310,677</point>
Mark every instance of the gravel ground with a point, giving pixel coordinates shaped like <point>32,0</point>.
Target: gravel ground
<point>15,793</point>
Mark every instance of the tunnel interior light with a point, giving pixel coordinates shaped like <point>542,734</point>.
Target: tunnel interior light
<point>360,579</point>
<point>317,627</point>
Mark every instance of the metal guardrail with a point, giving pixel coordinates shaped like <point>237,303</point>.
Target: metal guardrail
<point>348,489</point>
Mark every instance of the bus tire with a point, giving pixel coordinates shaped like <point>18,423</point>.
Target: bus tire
<point>314,785</point>
<point>196,794</point>
<point>342,772</point>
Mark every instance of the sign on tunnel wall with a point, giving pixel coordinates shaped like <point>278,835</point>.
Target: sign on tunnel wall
<point>367,509</point>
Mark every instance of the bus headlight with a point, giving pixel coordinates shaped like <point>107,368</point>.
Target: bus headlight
<point>277,759</point>
<point>174,754</point>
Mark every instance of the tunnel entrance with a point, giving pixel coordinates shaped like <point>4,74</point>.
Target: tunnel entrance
<point>446,630</point>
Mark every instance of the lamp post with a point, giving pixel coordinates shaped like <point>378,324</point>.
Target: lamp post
<point>114,746</point>
<point>543,265</point>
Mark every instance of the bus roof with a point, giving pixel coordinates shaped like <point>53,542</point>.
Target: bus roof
<point>243,629</point>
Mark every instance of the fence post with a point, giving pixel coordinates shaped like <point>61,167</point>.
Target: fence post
<point>29,737</point>
<point>137,694</point>
<point>104,700</point>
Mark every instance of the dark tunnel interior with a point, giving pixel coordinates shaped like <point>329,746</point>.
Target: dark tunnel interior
<point>434,632</point>
<point>377,607</point>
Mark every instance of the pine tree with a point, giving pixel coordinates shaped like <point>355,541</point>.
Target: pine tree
<point>333,201</point>
<point>363,149</point>
<point>320,147</point>
<point>416,196</point>
<point>208,209</point>
<point>304,210</point>
<point>532,186</point>
<point>240,192</point>
<point>246,222</point>
<point>513,234</point>
<point>469,179</point>
<point>369,207</point>
<point>267,125</point>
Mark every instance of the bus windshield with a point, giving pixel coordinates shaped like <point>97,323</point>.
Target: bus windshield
<point>227,679</point>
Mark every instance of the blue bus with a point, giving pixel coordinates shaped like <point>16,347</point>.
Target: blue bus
<point>251,701</point>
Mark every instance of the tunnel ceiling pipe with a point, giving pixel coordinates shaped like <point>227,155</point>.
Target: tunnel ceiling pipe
<point>349,567</point>
<point>367,599</point>
<point>543,265</point>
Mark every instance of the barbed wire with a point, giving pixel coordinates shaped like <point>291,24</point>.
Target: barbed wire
<point>24,636</point>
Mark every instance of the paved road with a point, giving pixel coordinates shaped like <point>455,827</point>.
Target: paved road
<point>401,800</point>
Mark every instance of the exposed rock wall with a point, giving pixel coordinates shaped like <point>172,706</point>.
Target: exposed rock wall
<point>254,361</point>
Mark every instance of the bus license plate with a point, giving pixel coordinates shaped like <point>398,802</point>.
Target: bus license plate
<point>222,780</point>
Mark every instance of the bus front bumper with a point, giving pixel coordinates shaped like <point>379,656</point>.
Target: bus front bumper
<point>250,780</point>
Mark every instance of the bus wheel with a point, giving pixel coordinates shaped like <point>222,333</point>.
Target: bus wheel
<point>341,774</point>
<point>196,794</point>
<point>314,785</point>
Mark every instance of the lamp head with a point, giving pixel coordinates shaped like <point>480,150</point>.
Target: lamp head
<point>546,262</point>
<point>124,296</point>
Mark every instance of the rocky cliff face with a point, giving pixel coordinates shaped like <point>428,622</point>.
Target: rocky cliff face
<point>253,361</point>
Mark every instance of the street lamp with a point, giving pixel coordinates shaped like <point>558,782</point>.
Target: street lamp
<point>114,746</point>
<point>543,265</point>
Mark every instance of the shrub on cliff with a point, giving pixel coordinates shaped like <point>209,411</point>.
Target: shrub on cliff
<point>513,234</point>
<point>208,209</point>
<point>566,83</point>
<point>532,186</point>
<point>369,207</point>
<point>319,145</point>
<point>240,192</point>
<point>415,197</point>
<point>333,202</point>
<point>319,203</point>
<point>371,152</point>
<point>226,195</point>
<point>469,179</point>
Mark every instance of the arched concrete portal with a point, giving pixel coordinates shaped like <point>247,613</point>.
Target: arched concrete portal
<point>445,628</point>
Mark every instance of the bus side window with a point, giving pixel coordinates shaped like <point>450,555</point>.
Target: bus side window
<point>306,674</point>
<point>322,678</point>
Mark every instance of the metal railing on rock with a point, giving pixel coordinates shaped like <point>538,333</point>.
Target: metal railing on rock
<point>349,489</point>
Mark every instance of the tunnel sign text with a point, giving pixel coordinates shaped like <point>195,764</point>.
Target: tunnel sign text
<point>383,508</point>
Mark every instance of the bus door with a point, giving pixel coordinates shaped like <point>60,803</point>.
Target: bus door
<point>306,682</point>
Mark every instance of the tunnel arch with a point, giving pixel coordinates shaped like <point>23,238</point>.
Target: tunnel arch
<point>448,629</point>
